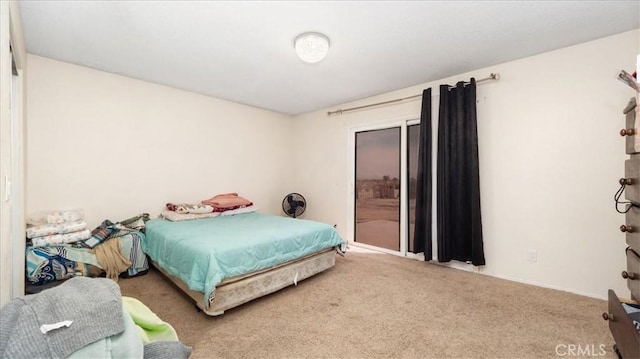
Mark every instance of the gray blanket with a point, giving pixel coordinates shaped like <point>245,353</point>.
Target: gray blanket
<point>94,307</point>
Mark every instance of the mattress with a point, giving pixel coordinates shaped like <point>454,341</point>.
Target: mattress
<point>202,253</point>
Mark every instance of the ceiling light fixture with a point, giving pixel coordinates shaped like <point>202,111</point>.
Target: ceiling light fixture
<point>311,47</point>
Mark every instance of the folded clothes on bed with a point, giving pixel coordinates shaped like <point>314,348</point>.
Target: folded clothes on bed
<point>60,228</point>
<point>184,208</point>
<point>176,217</point>
<point>227,201</point>
<point>240,210</point>
<point>64,238</point>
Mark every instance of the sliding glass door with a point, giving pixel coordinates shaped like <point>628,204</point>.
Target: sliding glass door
<point>377,195</point>
<point>384,185</point>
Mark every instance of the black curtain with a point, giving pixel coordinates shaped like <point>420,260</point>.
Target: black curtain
<point>459,221</point>
<point>422,232</point>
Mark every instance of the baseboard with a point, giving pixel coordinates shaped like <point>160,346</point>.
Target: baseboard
<point>543,285</point>
<point>471,268</point>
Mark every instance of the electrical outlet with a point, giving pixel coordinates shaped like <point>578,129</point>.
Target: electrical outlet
<point>532,255</point>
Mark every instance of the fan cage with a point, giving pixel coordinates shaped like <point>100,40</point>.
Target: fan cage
<point>294,204</point>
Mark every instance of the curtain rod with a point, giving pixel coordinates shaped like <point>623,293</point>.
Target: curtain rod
<point>492,76</point>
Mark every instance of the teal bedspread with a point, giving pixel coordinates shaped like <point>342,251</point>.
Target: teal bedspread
<point>204,252</point>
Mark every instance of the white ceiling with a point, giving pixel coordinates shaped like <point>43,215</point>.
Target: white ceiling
<point>243,51</point>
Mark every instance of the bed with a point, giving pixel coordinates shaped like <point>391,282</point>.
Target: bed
<point>225,261</point>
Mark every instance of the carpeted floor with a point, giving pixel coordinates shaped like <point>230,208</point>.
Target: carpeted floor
<point>383,306</point>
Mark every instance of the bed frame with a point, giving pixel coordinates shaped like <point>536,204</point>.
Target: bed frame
<point>239,290</point>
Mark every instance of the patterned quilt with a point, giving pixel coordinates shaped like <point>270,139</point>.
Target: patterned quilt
<point>47,264</point>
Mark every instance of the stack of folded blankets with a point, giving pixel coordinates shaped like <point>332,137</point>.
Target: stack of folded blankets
<point>227,202</point>
<point>59,227</point>
<point>220,205</point>
<point>60,247</point>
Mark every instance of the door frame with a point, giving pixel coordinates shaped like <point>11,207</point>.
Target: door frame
<point>401,122</point>
<point>17,182</point>
<point>12,152</point>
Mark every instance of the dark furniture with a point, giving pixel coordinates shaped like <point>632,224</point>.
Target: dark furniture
<point>623,329</point>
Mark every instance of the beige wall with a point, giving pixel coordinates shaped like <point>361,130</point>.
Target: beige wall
<point>117,146</point>
<point>550,157</point>
<point>549,151</point>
